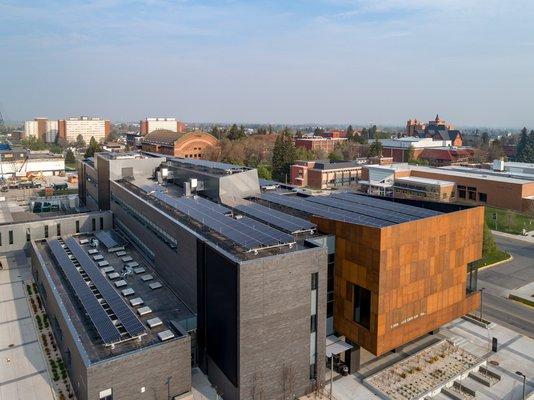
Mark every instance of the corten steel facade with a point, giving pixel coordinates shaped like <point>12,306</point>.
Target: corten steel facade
<point>415,272</point>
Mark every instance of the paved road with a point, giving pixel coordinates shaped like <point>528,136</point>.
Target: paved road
<point>500,280</point>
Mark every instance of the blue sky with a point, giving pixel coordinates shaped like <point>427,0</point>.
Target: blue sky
<point>324,61</point>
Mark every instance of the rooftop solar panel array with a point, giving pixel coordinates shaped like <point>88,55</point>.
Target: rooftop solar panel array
<point>250,237</point>
<point>288,223</point>
<point>107,239</point>
<point>92,307</point>
<point>128,319</point>
<point>353,208</point>
<point>309,207</point>
<point>386,205</point>
<point>229,168</point>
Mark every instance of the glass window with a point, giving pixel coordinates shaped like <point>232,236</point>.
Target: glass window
<point>362,306</point>
<point>46,231</point>
<point>106,394</point>
<point>58,230</point>
<point>314,280</point>
<point>77,226</point>
<point>0,238</point>
<point>10,237</point>
<point>483,197</point>
<point>101,223</point>
<point>93,223</point>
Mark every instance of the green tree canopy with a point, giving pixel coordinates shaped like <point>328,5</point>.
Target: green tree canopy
<point>236,133</point>
<point>80,142</point>
<point>375,150</point>
<point>69,157</point>
<point>264,172</point>
<point>33,143</point>
<point>284,155</point>
<point>94,147</point>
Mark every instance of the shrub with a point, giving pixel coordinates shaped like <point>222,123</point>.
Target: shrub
<point>29,289</point>
<point>39,322</point>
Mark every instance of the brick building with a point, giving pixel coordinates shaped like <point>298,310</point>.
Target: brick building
<point>189,145</point>
<point>149,125</point>
<point>324,174</point>
<point>315,143</point>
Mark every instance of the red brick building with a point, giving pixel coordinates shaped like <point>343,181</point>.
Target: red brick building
<point>326,144</point>
<point>189,145</point>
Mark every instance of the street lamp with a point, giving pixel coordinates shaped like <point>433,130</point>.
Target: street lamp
<point>524,381</point>
<point>481,297</point>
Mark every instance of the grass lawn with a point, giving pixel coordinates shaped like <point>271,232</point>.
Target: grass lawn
<point>508,221</point>
<point>492,258</point>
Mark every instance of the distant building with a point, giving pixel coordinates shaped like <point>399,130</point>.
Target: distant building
<point>326,144</point>
<point>189,145</point>
<point>437,129</point>
<point>42,128</point>
<point>323,174</point>
<point>333,134</point>
<point>21,163</point>
<point>497,188</point>
<point>87,127</point>
<point>149,125</point>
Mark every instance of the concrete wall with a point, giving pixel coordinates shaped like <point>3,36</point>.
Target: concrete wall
<point>37,228</point>
<point>274,323</point>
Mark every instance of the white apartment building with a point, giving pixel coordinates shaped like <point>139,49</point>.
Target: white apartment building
<point>45,129</point>
<point>86,126</point>
<point>153,124</point>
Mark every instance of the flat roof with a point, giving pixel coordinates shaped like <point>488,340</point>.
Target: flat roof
<point>351,207</point>
<point>477,173</point>
<point>163,302</point>
<point>224,226</point>
<point>426,181</point>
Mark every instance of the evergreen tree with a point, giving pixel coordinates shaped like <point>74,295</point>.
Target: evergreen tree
<point>69,157</point>
<point>365,134</point>
<point>375,150</point>
<point>215,132</point>
<point>284,155</point>
<point>93,148</point>
<point>372,132</point>
<point>350,132</point>
<point>236,133</point>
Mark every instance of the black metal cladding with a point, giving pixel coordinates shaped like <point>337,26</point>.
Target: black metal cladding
<point>127,318</point>
<point>96,313</point>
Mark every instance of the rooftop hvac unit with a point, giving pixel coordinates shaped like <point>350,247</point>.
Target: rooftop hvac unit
<point>498,165</point>
<point>194,183</point>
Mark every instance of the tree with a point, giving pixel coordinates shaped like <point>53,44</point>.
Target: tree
<point>485,139</point>
<point>372,132</point>
<point>69,157</point>
<point>284,155</point>
<point>375,150</point>
<point>350,132</point>
<point>264,172</point>
<point>236,133</point>
<point>33,143</point>
<point>80,142</point>
<point>336,155</point>
<point>495,151</point>
<point>216,132</point>
<point>365,135</point>
<point>93,148</point>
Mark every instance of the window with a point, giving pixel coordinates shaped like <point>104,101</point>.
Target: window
<point>483,197</point>
<point>93,224</point>
<point>77,226</point>
<point>58,230</point>
<point>313,323</point>
<point>28,235</point>
<point>46,231</point>
<point>101,223</point>
<point>10,237</point>
<point>0,238</point>
<point>362,306</point>
<point>314,280</point>
<point>461,191</point>
<point>106,394</point>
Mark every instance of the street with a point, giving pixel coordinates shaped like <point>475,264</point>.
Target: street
<point>498,281</point>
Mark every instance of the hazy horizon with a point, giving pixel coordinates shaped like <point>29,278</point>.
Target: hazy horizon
<point>327,61</point>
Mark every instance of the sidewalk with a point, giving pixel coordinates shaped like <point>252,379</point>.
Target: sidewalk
<point>528,239</point>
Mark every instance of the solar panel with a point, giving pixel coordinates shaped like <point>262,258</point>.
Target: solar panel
<point>209,164</point>
<point>128,319</point>
<point>212,215</point>
<point>279,236</point>
<point>106,239</point>
<point>380,214</point>
<point>386,205</point>
<point>277,218</point>
<point>323,211</point>
<point>92,307</point>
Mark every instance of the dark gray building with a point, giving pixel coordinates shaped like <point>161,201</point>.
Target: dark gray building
<point>258,291</point>
<point>120,330</point>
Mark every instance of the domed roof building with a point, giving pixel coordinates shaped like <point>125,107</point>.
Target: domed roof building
<point>189,145</point>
